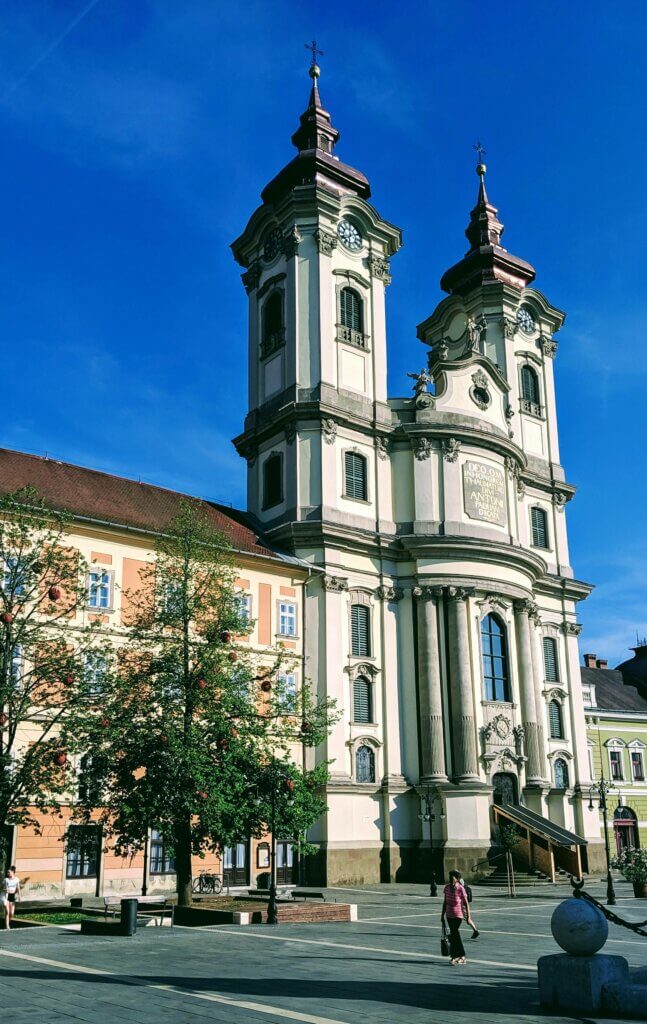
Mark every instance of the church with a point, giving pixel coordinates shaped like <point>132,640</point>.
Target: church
<point>440,609</point>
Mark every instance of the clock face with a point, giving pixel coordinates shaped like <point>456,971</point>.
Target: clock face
<point>272,244</point>
<point>349,235</point>
<point>526,320</point>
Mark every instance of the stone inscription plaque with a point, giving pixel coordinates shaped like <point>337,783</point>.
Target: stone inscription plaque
<point>484,493</point>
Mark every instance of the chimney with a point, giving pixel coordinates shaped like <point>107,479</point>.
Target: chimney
<point>603,663</point>
<point>591,661</point>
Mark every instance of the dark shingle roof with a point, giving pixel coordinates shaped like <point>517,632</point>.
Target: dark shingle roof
<point>611,693</point>
<point>91,494</point>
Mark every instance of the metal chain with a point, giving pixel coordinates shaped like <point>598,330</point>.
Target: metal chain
<point>638,926</point>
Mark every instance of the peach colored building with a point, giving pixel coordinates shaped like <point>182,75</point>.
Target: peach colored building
<point>115,521</point>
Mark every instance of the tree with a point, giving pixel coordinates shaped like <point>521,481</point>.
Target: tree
<point>43,660</point>
<point>187,720</point>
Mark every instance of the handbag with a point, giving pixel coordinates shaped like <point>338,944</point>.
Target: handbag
<point>444,941</point>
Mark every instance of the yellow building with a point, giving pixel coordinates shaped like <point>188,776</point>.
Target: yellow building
<point>115,523</point>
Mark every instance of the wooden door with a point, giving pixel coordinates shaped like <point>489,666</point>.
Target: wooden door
<point>285,863</point>
<point>235,865</point>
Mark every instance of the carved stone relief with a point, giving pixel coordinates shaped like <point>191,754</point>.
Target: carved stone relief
<point>450,449</point>
<point>383,446</point>
<point>422,448</point>
<point>337,584</point>
<point>325,242</point>
<point>329,431</point>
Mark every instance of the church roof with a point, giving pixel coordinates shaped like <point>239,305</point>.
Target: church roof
<point>612,693</point>
<point>117,501</point>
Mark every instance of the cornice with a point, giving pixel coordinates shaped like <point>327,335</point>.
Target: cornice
<point>456,548</point>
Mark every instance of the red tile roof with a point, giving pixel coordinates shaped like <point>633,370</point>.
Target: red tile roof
<point>91,494</point>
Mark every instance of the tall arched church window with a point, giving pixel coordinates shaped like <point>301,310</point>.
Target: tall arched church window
<point>555,720</point>
<point>350,310</point>
<point>273,328</point>
<point>539,526</point>
<point>495,658</point>
<point>362,700</point>
<point>360,631</point>
<point>530,397</point>
<point>560,773</point>
<point>551,664</point>
<point>364,764</point>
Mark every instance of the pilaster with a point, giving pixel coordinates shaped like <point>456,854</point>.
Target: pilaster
<point>463,716</point>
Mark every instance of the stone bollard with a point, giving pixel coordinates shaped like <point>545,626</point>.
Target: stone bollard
<point>574,980</point>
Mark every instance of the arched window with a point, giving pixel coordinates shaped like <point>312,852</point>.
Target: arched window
<point>551,664</point>
<point>364,764</point>
<point>355,485</point>
<point>273,333</point>
<point>539,524</point>
<point>495,658</point>
<point>360,631</point>
<point>560,771</point>
<point>530,386</point>
<point>362,700</point>
<point>350,310</point>
<point>555,720</point>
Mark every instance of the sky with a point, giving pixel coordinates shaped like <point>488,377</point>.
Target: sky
<point>137,136</point>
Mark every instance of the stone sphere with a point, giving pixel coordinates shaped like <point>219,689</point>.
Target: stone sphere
<point>579,927</point>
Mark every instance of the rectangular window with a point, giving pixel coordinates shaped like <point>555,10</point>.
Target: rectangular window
<point>591,765</point>
<point>15,667</point>
<point>615,760</point>
<point>551,664</point>
<point>95,668</point>
<point>13,580</point>
<point>539,525</point>
<point>244,602</point>
<point>362,710</point>
<point>99,589</point>
<point>287,618</point>
<point>288,682</point>
<point>355,485</point>
<point>637,768</point>
<point>82,851</point>
<point>273,481</point>
<point>360,631</point>
<point>172,598</point>
<point>161,860</point>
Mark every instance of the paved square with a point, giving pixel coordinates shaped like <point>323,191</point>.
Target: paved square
<point>385,967</point>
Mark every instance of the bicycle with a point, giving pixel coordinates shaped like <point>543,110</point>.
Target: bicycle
<point>207,884</point>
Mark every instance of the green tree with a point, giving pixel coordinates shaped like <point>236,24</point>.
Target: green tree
<point>187,721</point>
<point>44,653</point>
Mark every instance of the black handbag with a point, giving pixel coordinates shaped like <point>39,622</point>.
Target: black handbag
<point>444,941</point>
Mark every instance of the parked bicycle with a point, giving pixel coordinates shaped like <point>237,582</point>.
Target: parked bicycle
<point>207,884</point>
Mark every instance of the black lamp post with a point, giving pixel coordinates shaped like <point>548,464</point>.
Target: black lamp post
<point>427,814</point>
<point>277,783</point>
<point>602,787</point>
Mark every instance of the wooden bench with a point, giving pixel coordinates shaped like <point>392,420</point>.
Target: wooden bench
<point>306,894</point>
<point>113,903</point>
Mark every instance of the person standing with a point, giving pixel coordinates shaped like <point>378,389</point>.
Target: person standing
<point>12,889</point>
<point>455,906</point>
<point>468,893</point>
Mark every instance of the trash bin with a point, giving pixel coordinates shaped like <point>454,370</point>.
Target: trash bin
<point>128,917</point>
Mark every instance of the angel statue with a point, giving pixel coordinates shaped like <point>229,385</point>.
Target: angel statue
<point>422,380</point>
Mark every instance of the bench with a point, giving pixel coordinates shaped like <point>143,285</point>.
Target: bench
<point>162,903</point>
<point>306,894</point>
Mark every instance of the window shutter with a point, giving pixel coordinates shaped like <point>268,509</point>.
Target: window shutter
<point>360,620</point>
<point>551,666</point>
<point>351,309</point>
<point>355,475</point>
<point>539,528</point>
<point>555,719</point>
<point>362,711</point>
<point>529,385</point>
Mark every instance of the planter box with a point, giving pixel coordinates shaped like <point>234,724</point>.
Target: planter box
<point>288,913</point>
<point>640,889</point>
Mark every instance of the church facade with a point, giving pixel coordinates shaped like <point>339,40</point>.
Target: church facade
<point>441,608</point>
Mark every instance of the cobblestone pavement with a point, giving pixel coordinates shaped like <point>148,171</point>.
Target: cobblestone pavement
<point>384,967</point>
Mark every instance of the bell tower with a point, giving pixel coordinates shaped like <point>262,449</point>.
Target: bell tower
<point>316,257</point>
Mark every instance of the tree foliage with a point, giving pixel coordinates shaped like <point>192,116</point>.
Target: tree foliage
<point>189,718</point>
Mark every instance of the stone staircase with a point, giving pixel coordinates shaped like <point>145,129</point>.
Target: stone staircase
<point>498,878</point>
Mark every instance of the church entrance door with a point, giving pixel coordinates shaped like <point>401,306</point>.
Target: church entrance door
<point>504,785</point>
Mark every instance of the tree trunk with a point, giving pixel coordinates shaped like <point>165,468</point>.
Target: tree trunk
<point>183,864</point>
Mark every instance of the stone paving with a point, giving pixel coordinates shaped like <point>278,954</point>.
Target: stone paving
<point>386,967</point>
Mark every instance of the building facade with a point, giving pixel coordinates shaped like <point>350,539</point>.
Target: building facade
<point>114,527</point>
<point>442,617</point>
<point>615,706</point>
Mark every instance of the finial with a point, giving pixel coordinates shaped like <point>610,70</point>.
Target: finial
<point>314,70</point>
<point>481,167</point>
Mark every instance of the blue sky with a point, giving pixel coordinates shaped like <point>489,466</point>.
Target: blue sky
<point>136,141</point>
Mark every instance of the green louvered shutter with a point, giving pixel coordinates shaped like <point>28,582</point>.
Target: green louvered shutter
<point>362,710</point>
<point>551,666</point>
<point>360,621</point>
<point>355,475</point>
<point>351,309</point>
<point>539,528</point>
<point>555,720</point>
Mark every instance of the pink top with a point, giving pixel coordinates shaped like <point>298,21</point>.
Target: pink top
<point>455,900</point>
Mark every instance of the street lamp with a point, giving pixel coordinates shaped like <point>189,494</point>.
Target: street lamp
<point>427,814</point>
<point>601,788</point>
<point>278,783</point>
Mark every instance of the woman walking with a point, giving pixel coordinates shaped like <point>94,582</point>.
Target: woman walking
<point>455,906</point>
<point>12,890</point>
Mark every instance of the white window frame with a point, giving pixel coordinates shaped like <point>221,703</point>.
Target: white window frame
<point>616,746</point>
<point>290,690</point>
<point>244,598</point>
<point>287,618</point>
<point>100,571</point>
<point>591,764</point>
<point>101,664</point>
<point>636,747</point>
<point>547,545</point>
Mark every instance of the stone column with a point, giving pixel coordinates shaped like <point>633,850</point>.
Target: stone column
<point>432,734</point>
<point>538,676</point>
<point>522,612</point>
<point>464,730</point>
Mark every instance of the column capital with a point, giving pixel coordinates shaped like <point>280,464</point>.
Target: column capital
<point>459,593</point>
<point>386,593</point>
<point>427,593</point>
<point>571,628</point>
<point>525,607</point>
<point>336,584</point>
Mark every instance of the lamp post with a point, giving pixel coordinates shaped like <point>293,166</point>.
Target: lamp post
<point>601,788</point>
<point>277,783</point>
<point>427,814</point>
